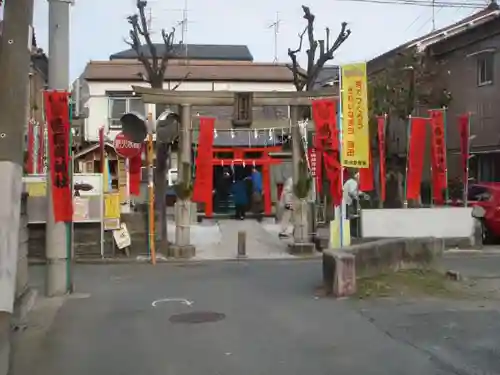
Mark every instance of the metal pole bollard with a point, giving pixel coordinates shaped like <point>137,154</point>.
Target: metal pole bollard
<point>242,244</point>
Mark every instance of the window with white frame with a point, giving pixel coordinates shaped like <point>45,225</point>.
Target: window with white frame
<point>120,105</point>
<point>485,63</point>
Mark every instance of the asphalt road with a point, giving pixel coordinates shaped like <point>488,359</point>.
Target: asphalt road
<point>271,324</point>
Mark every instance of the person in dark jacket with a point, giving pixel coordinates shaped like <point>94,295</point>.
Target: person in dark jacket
<point>240,198</point>
<point>257,193</point>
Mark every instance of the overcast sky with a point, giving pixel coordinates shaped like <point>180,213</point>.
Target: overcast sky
<point>99,26</point>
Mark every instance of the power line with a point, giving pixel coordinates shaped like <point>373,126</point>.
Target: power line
<point>424,3</point>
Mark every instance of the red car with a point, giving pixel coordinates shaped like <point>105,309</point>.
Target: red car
<point>487,195</point>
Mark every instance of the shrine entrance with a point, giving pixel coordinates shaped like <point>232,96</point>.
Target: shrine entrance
<point>231,163</point>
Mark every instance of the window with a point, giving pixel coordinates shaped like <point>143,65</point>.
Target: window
<point>485,62</point>
<point>120,105</point>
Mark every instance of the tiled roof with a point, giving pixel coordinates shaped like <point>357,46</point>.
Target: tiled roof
<point>194,52</point>
<point>465,24</point>
<point>132,70</point>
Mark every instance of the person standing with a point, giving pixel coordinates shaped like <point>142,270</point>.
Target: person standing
<point>286,201</point>
<point>351,198</point>
<point>257,193</point>
<point>240,198</point>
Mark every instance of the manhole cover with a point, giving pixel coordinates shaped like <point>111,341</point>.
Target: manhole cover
<point>196,317</point>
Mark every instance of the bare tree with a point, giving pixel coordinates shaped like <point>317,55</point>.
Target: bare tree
<point>155,64</point>
<point>306,78</point>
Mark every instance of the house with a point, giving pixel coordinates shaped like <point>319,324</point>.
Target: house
<point>469,51</point>
<point>105,86</point>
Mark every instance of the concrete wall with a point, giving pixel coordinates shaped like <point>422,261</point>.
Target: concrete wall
<point>98,103</point>
<point>446,222</point>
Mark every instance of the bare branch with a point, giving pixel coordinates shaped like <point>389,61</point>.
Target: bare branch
<point>188,74</point>
<point>297,81</point>
<point>313,44</point>
<point>326,51</point>
<point>327,38</point>
<point>168,42</point>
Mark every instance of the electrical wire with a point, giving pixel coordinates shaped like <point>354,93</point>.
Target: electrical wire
<point>423,3</point>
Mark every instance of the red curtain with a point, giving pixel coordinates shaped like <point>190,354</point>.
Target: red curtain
<point>135,168</point>
<point>416,155</point>
<point>381,124</point>
<point>202,191</point>
<point>57,114</point>
<point>438,155</point>
<point>30,148</point>
<point>327,144</point>
<point>366,182</point>
<point>464,129</point>
<point>41,147</point>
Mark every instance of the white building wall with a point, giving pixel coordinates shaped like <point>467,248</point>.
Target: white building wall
<point>98,103</point>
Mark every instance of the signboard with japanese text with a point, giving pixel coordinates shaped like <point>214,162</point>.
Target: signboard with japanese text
<point>355,132</point>
<point>438,155</point>
<point>57,114</point>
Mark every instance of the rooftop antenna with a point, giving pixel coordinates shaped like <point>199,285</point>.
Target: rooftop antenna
<point>276,26</point>
<point>433,15</point>
<point>184,27</point>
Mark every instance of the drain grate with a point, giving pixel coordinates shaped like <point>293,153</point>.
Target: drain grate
<point>197,317</point>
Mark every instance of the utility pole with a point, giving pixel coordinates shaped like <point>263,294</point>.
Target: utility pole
<point>58,272</point>
<point>14,78</point>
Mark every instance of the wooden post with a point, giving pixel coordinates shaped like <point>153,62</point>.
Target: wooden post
<point>242,244</point>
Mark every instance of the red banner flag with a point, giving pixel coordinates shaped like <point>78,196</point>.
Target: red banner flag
<point>30,147</point>
<point>381,124</point>
<point>464,129</point>
<point>41,147</point>
<point>366,182</point>
<point>57,114</point>
<point>202,191</point>
<point>438,155</point>
<point>327,144</point>
<point>134,171</point>
<point>415,163</point>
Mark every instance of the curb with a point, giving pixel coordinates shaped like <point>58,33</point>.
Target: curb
<point>471,252</point>
<point>108,261</point>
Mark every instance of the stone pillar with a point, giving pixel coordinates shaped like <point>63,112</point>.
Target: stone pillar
<point>301,236</point>
<point>183,207</point>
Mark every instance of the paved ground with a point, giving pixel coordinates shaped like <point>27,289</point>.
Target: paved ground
<point>273,324</point>
<point>218,239</point>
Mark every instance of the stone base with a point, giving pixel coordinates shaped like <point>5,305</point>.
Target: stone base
<point>23,305</point>
<point>301,248</point>
<point>182,252</point>
<point>339,274</point>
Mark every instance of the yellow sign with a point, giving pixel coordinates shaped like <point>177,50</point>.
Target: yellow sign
<point>111,205</point>
<point>36,189</point>
<point>355,132</point>
<point>111,211</point>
